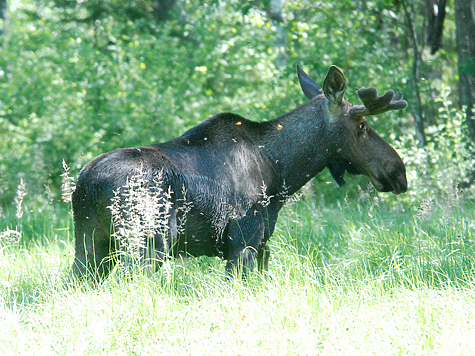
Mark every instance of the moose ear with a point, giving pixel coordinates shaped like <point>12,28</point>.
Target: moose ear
<point>308,85</point>
<point>334,85</point>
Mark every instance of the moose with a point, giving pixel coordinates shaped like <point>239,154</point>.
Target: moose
<point>235,175</point>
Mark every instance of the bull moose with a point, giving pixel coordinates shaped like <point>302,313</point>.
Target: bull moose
<point>236,175</point>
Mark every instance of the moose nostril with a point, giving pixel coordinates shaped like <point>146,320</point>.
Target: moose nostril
<point>401,181</point>
<point>397,176</point>
<point>401,185</point>
<point>404,184</point>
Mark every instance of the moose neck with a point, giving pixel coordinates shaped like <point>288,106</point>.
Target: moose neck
<point>299,143</point>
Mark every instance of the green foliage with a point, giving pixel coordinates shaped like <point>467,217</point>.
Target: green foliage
<point>445,166</point>
<point>72,89</point>
<point>81,78</point>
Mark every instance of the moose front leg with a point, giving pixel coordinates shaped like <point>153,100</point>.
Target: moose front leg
<point>241,263</point>
<point>244,239</point>
<point>263,255</point>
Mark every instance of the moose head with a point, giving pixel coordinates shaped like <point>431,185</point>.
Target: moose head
<point>358,148</point>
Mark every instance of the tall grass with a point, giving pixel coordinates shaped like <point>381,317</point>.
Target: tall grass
<point>360,277</point>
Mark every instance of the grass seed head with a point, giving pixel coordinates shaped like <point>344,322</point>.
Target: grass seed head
<point>68,186</point>
<point>20,194</point>
<point>140,211</point>
<point>9,237</point>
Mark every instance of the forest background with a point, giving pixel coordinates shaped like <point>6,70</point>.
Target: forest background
<point>78,78</point>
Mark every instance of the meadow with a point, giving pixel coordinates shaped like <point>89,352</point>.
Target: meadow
<point>352,271</point>
<point>368,274</point>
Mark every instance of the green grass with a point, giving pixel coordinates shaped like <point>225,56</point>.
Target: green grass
<point>359,277</point>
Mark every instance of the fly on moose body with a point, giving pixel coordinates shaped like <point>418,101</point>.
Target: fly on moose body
<point>223,182</point>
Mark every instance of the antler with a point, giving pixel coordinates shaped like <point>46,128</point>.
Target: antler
<point>374,104</point>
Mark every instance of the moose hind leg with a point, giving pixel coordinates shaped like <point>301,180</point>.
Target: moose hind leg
<point>160,246</point>
<point>153,254</point>
<point>93,256</point>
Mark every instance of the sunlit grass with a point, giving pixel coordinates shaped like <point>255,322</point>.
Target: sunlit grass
<point>357,278</point>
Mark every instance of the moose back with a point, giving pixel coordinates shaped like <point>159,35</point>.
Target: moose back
<point>225,180</point>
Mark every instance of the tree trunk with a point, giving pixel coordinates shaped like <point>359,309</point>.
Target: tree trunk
<point>436,11</point>
<point>3,16</point>
<point>465,32</point>
<point>416,104</point>
<point>275,14</point>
